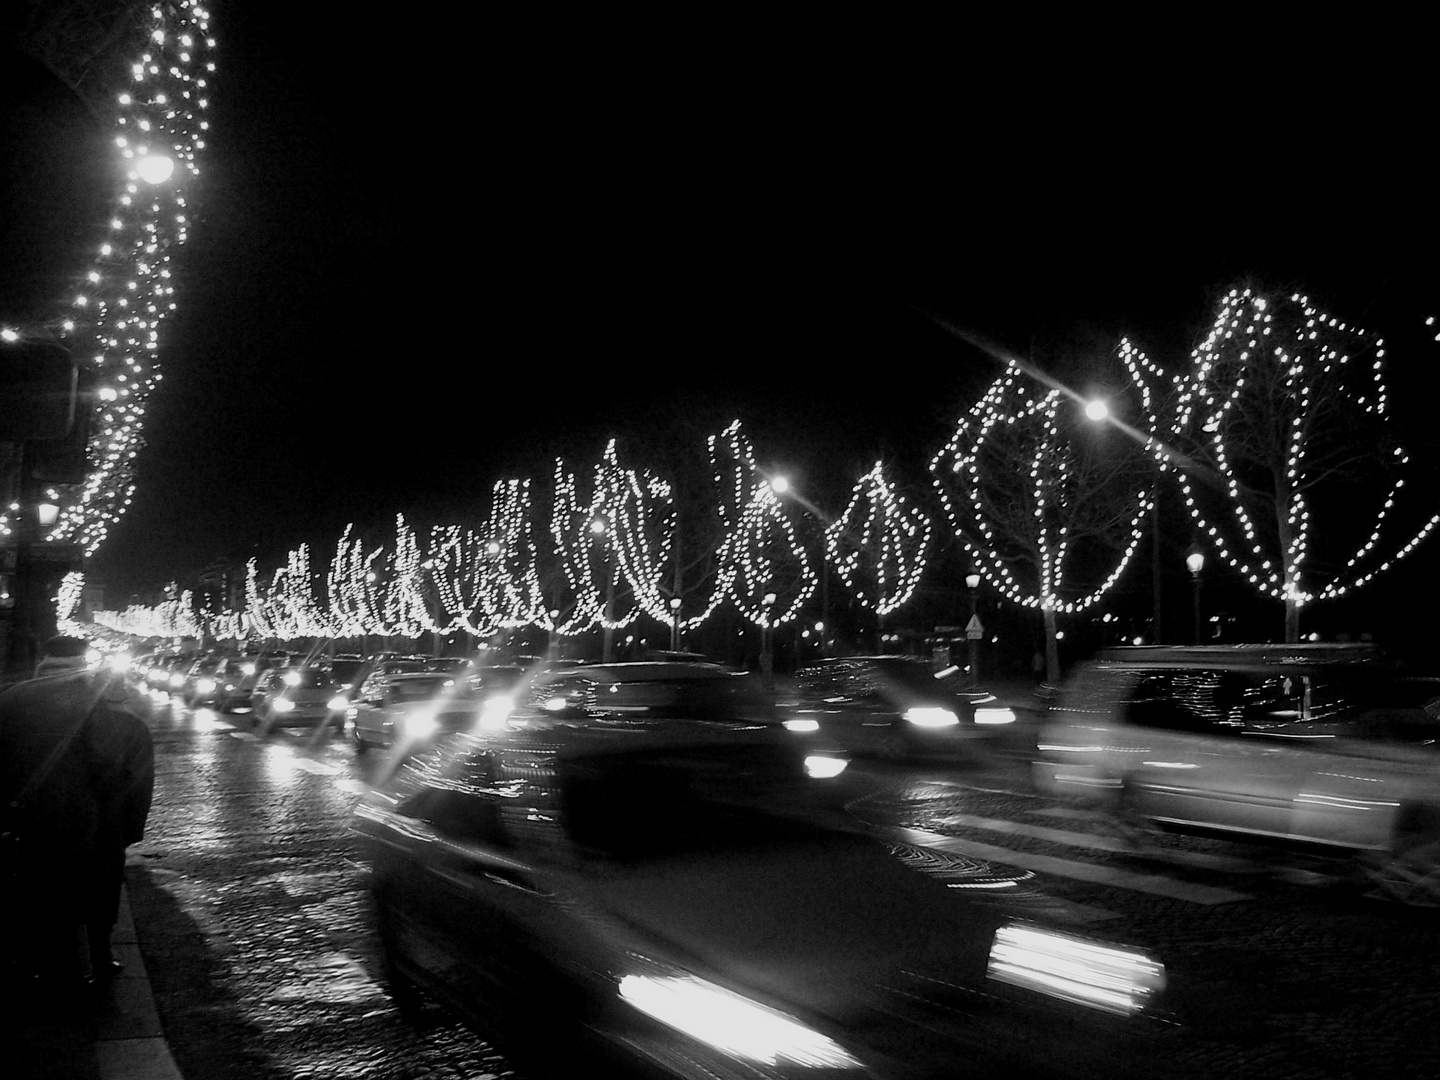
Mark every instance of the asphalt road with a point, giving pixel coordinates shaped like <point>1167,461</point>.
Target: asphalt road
<point>251,914</point>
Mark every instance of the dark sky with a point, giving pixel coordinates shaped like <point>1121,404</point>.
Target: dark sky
<point>419,268</point>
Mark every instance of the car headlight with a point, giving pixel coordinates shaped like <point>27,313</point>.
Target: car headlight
<point>205,686</point>
<point>931,716</point>
<point>177,680</point>
<point>733,1024</point>
<point>495,713</point>
<point>1103,977</point>
<point>338,703</point>
<point>802,725</point>
<point>292,678</point>
<point>420,723</point>
<point>994,715</point>
<point>247,669</point>
<point>282,704</point>
<point>822,767</point>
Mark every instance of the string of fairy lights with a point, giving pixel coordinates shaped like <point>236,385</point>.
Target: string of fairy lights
<point>1283,359</point>
<point>1011,483</point>
<point>111,324</point>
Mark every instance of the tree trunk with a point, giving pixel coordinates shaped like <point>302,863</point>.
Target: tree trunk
<point>1052,648</point>
<point>1292,621</point>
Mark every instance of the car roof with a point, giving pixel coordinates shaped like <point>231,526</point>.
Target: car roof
<point>639,671</point>
<point>1304,654</point>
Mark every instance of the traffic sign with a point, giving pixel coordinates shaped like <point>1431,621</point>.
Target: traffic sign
<point>974,629</point>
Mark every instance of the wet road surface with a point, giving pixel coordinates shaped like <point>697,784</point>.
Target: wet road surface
<point>252,915</point>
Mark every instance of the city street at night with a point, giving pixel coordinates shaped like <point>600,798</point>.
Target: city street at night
<point>252,917</point>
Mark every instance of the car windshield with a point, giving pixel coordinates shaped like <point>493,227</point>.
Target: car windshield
<point>309,678</point>
<point>413,689</point>
<point>345,670</point>
<point>723,697</point>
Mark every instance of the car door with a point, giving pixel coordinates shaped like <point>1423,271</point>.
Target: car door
<point>1195,757</point>
<point>481,914</point>
<point>368,705</point>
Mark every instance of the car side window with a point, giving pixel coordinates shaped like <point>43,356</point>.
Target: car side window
<point>1182,700</point>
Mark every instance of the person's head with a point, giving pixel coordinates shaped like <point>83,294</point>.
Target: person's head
<point>64,646</point>
<point>62,654</point>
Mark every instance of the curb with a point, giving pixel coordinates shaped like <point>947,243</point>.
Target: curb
<point>129,1041</point>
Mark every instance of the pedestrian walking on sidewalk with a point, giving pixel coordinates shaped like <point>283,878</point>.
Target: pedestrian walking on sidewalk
<point>77,771</point>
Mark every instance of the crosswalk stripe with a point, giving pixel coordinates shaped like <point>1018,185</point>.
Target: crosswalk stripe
<point>1154,884</point>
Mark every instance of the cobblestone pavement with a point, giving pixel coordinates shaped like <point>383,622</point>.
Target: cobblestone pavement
<point>1281,968</point>
<point>249,904</point>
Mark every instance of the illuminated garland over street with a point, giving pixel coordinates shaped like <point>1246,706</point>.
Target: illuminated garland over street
<point>113,323</point>
<point>1278,392</point>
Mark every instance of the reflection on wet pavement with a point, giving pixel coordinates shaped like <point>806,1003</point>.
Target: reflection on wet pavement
<point>251,839</point>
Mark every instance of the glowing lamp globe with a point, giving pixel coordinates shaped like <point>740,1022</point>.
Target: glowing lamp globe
<point>155,168</point>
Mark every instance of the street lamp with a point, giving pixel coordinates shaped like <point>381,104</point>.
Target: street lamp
<point>1195,561</point>
<point>972,631</point>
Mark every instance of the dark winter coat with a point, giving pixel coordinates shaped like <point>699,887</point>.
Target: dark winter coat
<point>95,799</point>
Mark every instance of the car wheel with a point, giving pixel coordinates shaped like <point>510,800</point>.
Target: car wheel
<point>361,746</point>
<point>1409,873</point>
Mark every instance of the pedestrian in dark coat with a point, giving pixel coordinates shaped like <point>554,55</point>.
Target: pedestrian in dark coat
<point>84,734</point>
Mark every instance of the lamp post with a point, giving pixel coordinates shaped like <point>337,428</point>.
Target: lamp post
<point>1195,561</point>
<point>767,657</point>
<point>600,527</point>
<point>675,624</point>
<point>972,633</point>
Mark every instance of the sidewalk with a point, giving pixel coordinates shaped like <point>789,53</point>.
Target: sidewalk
<point>117,1037</point>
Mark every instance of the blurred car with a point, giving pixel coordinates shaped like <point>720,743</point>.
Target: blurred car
<point>287,696</point>
<point>615,892</point>
<point>238,676</point>
<point>202,684</point>
<point>346,670</point>
<point>452,664</point>
<point>409,708</point>
<point>891,706</point>
<point>631,690</point>
<point>1298,744</point>
<point>168,674</point>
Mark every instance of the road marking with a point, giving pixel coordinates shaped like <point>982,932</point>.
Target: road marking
<point>317,768</point>
<point>1154,884</point>
<point>1038,832</point>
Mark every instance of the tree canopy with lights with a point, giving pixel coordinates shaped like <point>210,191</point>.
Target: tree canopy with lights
<point>1284,419</point>
<point>1049,505</point>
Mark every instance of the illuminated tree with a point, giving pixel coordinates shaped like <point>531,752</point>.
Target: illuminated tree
<point>1284,416</point>
<point>143,67</point>
<point>879,544</point>
<point>1049,506</point>
<point>764,567</point>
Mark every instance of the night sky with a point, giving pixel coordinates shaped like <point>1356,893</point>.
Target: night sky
<point>417,270</point>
